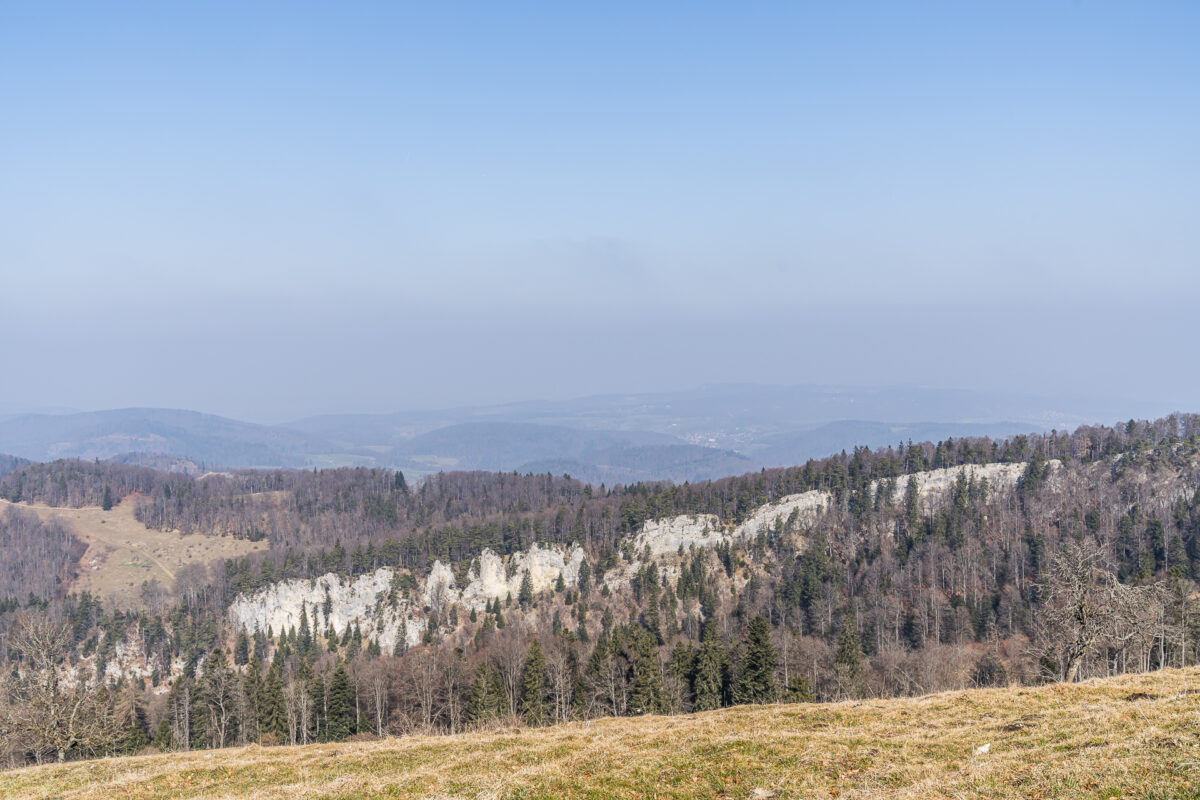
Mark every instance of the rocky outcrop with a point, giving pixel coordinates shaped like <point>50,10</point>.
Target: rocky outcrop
<point>665,537</point>
<point>934,484</point>
<point>387,614</point>
<point>374,602</point>
<point>390,614</point>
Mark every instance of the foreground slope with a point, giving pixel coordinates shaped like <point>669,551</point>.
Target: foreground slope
<point>1134,736</point>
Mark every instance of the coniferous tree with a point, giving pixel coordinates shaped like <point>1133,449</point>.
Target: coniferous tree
<point>272,712</point>
<point>340,717</point>
<point>708,685</point>
<point>317,698</point>
<point>535,710</point>
<point>581,630</point>
<point>798,690</point>
<point>131,712</point>
<point>485,701</point>
<point>681,668</point>
<point>585,579</point>
<point>849,658</point>
<point>241,649</point>
<point>755,680</point>
<point>252,687</point>
<point>645,679</point>
<point>304,640</point>
<point>163,739</point>
<point>525,595</point>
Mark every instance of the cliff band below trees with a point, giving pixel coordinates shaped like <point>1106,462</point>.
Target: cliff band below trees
<point>389,614</point>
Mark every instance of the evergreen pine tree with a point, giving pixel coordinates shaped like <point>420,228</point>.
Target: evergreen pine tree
<point>708,685</point>
<point>164,739</point>
<point>755,680</point>
<point>241,650</point>
<point>645,690</point>
<point>798,690</point>
<point>534,708</point>
<point>340,718</point>
<point>849,658</point>
<point>484,704</point>
<point>304,640</point>
<point>525,595</point>
<point>581,629</point>
<point>252,687</point>
<point>585,579</point>
<point>682,667</point>
<point>272,712</point>
<point>317,696</point>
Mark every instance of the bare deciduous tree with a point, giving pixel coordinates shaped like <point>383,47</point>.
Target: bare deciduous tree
<point>1085,606</point>
<point>49,709</point>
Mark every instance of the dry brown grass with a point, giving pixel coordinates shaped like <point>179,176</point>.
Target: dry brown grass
<point>1136,736</point>
<point>122,552</point>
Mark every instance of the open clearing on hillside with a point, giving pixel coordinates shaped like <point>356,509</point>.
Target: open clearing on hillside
<point>122,552</point>
<point>1135,736</point>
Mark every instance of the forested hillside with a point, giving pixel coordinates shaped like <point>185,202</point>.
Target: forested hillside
<point>10,463</point>
<point>386,607</point>
<point>102,434</point>
<point>39,559</point>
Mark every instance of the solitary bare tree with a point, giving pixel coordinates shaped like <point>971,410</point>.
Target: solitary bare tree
<point>48,708</point>
<point>1086,606</point>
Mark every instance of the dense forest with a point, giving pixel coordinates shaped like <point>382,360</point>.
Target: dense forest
<point>881,594</point>
<point>40,558</point>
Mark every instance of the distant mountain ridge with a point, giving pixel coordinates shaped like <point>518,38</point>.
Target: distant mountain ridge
<point>206,437</point>
<point>693,435</point>
<point>506,445</point>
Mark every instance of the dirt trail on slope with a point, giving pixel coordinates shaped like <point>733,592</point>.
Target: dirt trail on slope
<point>123,553</point>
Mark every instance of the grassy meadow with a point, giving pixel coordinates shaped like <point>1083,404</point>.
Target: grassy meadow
<point>1134,736</point>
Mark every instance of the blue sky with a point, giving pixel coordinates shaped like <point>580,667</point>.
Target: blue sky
<point>274,209</point>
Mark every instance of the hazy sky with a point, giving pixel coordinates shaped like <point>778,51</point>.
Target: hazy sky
<point>269,210</point>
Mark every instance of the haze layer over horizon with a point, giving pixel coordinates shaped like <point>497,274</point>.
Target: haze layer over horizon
<point>280,210</point>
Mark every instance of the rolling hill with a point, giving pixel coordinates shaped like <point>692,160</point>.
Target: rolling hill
<point>203,437</point>
<point>681,436</point>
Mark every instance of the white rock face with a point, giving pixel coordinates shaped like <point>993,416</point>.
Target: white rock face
<point>936,483</point>
<point>807,505</point>
<point>493,582</point>
<point>128,661</point>
<point>364,601</point>
<point>384,613</point>
<point>665,536</point>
